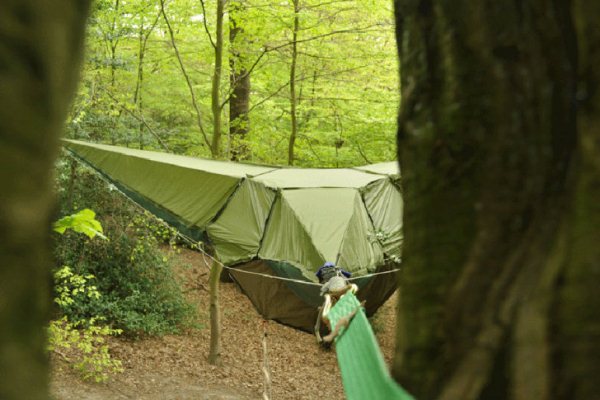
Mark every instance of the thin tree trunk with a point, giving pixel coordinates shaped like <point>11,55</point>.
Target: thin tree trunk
<point>42,44</point>
<point>113,44</point>
<point>186,76</point>
<point>72,180</point>
<point>214,356</point>
<point>216,82</point>
<point>496,299</point>
<point>239,102</point>
<point>293,96</point>
<point>138,95</point>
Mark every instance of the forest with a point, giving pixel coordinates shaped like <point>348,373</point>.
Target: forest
<point>308,83</point>
<point>444,153</point>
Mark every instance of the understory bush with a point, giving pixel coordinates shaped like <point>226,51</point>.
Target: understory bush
<point>87,348</point>
<point>82,343</point>
<point>139,293</point>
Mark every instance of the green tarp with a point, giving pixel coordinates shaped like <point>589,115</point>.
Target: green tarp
<point>284,222</point>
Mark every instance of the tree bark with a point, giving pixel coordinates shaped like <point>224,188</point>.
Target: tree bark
<point>41,44</point>
<point>216,82</point>
<point>499,162</point>
<point>113,41</point>
<point>577,337</point>
<point>113,38</point>
<point>239,79</point>
<point>293,95</point>
<point>214,356</point>
<point>138,96</point>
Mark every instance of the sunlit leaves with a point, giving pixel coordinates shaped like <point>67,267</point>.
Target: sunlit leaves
<point>347,78</point>
<point>83,221</point>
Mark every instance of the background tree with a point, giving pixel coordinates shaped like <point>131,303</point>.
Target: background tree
<point>239,83</point>
<point>293,94</point>
<point>188,80</point>
<point>498,143</point>
<point>346,43</point>
<point>216,80</point>
<point>144,32</point>
<point>41,44</point>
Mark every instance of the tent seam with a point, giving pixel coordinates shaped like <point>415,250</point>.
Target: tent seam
<point>267,220</point>
<point>305,229</point>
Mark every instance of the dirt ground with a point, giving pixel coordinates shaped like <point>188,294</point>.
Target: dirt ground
<point>176,366</point>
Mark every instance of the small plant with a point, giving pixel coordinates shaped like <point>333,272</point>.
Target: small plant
<point>70,286</point>
<point>81,342</point>
<point>83,221</point>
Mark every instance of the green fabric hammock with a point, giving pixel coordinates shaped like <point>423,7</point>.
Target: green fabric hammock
<point>364,373</point>
<point>282,222</point>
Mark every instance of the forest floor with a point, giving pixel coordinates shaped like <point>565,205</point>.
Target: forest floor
<point>176,366</point>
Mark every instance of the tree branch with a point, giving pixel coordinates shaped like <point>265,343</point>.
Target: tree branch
<point>362,153</point>
<point>139,118</point>
<point>144,43</point>
<point>283,45</point>
<point>212,42</point>
<point>185,75</point>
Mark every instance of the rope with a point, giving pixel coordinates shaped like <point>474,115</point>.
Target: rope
<point>290,279</point>
<point>391,271</point>
<point>197,245</point>
<point>257,273</point>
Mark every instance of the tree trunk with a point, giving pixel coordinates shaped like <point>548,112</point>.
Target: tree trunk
<point>113,42</point>
<point>138,97</point>
<point>186,77</point>
<point>500,172</point>
<point>216,82</point>
<point>239,79</point>
<point>41,44</point>
<point>577,317</point>
<point>293,96</point>
<point>214,356</point>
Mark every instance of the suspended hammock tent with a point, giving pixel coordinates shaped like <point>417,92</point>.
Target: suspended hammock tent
<point>275,221</point>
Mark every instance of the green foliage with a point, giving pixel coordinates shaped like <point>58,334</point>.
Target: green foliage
<point>346,78</point>
<point>84,339</point>
<point>72,288</point>
<point>83,221</point>
<point>139,293</point>
<point>85,343</point>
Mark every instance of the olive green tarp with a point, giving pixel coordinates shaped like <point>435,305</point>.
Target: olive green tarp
<point>281,222</point>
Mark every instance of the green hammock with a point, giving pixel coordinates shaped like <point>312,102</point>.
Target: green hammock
<point>364,373</point>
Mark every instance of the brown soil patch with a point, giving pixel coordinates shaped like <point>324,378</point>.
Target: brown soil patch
<point>176,366</point>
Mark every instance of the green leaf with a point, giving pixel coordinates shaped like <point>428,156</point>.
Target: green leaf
<point>82,222</point>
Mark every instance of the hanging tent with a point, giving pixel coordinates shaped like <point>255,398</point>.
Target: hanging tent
<point>273,221</point>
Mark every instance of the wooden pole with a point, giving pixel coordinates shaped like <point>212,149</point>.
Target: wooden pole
<point>214,357</point>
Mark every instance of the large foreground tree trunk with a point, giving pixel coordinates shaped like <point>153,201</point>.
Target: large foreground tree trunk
<point>499,144</point>
<point>40,47</point>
